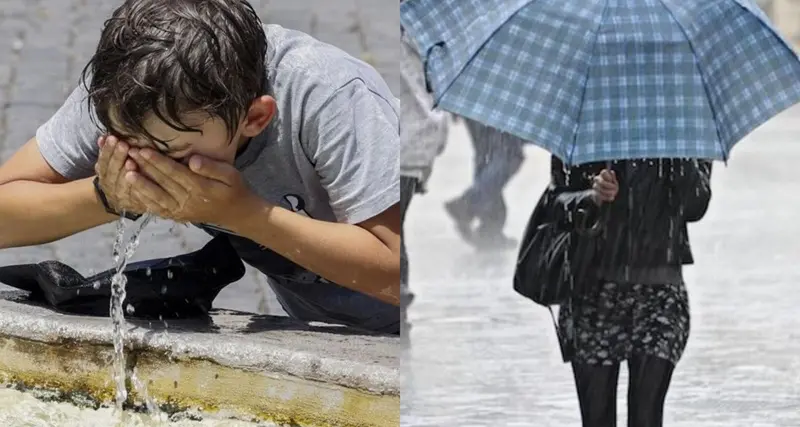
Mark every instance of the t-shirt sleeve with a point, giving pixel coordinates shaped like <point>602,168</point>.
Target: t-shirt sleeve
<point>353,140</point>
<point>68,141</point>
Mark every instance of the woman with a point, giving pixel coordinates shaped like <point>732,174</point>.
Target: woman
<point>638,311</point>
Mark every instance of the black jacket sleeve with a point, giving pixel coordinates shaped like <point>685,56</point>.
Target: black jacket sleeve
<point>692,181</point>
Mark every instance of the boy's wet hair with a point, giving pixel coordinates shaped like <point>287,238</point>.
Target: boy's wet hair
<point>173,57</point>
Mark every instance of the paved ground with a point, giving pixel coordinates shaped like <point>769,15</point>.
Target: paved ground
<point>482,356</point>
<point>44,45</point>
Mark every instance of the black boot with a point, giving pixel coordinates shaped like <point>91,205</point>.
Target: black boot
<point>597,394</point>
<point>649,381</point>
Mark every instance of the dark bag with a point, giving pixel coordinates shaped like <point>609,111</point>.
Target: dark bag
<point>555,264</point>
<point>178,287</point>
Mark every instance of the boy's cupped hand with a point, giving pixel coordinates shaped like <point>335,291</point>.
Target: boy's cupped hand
<point>111,167</point>
<point>206,191</point>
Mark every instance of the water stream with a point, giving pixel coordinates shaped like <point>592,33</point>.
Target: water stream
<point>118,293</point>
<point>37,409</point>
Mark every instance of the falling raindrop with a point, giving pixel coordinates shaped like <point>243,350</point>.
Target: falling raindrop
<point>567,171</point>
<point>148,272</point>
<point>163,289</point>
<point>169,274</point>
<point>129,309</point>
<point>213,270</point>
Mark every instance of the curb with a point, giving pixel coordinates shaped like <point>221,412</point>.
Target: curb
<point>321,382</point>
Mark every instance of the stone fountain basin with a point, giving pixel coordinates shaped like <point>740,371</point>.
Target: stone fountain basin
<point>233,364</point>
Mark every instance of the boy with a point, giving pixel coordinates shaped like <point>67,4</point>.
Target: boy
<point>199,113</point>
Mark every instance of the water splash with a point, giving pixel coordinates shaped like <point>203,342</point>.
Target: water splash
<point>19,409</point>
<point>118,282</point>
<point>141,389</point>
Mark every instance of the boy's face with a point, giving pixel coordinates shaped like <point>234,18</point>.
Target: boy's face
<point>213,140</point>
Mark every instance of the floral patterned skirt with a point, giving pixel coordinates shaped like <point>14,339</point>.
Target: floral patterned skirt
<point>619,320</point>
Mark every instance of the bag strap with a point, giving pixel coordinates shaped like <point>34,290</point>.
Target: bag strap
<point>555,322</point>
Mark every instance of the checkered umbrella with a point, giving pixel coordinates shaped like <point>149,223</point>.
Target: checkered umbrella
<point>593,80</point>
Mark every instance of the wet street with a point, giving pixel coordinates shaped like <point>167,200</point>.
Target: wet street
<point>481,355</point>
<point>44,45</point>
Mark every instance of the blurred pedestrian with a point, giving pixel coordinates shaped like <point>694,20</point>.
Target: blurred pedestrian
<point>498,157</point>
<point>423,135</point>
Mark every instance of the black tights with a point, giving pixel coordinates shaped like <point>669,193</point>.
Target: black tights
<point>647,390</point>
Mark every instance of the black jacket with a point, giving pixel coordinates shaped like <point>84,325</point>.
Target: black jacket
<point>645,227</point>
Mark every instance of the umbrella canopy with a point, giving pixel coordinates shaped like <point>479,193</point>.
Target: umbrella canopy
<point>593,80</point>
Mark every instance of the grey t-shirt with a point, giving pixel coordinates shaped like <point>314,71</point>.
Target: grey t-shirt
<point>332,153</point>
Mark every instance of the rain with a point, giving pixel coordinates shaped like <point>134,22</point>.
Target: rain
<point>479,354</point>
<point>649,281</point>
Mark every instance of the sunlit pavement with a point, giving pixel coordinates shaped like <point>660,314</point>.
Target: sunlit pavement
<point>483,356</point>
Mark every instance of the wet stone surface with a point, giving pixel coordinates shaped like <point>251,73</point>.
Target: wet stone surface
<point>44,45</point>
<point>481,355</point>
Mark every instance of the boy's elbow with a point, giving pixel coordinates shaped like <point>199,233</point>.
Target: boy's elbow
<point>390,279</point>
<point>393,272</point>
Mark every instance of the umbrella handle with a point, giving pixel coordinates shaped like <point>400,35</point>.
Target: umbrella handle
<point>598,225</point>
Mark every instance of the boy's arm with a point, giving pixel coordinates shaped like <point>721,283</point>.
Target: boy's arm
<point>46,192</point>
<point>352,137</point>
<point>363,257</point>
<point>38,205</point>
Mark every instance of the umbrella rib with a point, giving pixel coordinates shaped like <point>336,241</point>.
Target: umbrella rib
<point>585,83</point>
<point>438,98</point>
<point>703,78</point>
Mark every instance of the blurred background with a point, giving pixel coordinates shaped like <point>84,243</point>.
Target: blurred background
<point>44,45</point>
<point>786,16</point>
